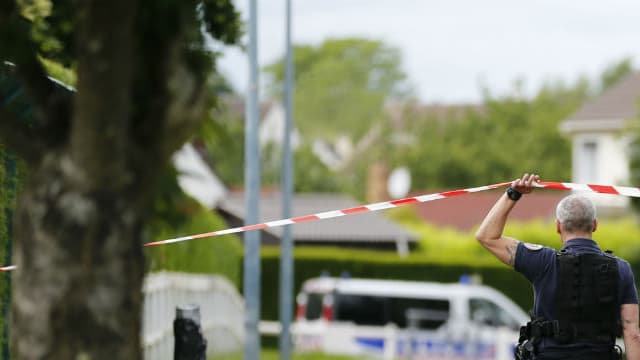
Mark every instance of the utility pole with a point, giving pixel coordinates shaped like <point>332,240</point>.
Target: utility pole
<point>286,242</point>
<point>251,277</point>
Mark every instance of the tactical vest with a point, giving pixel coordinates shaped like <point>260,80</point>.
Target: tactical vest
<point>587,297</point>
<point>586,301</point>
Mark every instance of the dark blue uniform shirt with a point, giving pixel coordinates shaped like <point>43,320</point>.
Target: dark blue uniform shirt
<point>538,264</point>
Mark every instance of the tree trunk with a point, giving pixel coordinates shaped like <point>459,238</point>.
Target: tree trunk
<point>78,289</point>
<point>79,221</point>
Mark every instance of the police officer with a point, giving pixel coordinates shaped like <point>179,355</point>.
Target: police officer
<point>582,295</point>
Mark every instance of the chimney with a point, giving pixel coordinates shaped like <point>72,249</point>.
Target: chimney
<point>377,176</point>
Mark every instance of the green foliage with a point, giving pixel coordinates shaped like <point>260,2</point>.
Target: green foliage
<point>634,154</point>
<point>12,170</point>
<point>272,354</point>
<point>615,72</point>
<point>222,20</point>
<point>622,236</point>
<point>59,72</point>
<point>32,9</point>
<point>219,255</point>
<point>53,28</point>
<point>176,214</point>
<point>506,137</point>
<point>341,85</point>
<point>634,167</point>
<point>311,175</point>
<point>223,136</point>
<point>503,137</point>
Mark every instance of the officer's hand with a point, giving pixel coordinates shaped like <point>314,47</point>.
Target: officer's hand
<point>525,184</point>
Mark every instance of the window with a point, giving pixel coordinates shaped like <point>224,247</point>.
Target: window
<point>361,309</point>
<point>486,312</point>
<point>419,313</point>
<point>588,164</point>
<point>403,312</point>
<point>314,306</point>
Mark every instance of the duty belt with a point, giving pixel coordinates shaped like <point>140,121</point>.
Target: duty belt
<point>564,332</point>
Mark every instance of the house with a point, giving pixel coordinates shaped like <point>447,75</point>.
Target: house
<point>196,178</point>
<point>272,124</point>
<point>601,136</point>
<point>464,213</point>
<point>367,230</point>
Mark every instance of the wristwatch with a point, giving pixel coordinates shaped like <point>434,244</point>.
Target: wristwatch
<point>512,194</point>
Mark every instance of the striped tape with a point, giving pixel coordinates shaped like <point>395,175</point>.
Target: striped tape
<point>8,268</point>
<point>604,189</point>
<point>601,189</point>
<point>331,214</point>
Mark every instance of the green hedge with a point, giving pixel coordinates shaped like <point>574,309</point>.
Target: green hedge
<point>311,262</point>
<point>176,214</point>
<point>11,170</point>
<point>220,255</point>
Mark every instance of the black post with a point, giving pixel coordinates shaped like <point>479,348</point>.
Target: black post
<point>189,342</point>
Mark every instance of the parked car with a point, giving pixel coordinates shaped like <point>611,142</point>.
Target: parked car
<point>407,320</point>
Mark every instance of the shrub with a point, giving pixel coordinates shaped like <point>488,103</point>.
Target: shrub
<point>219,255</point>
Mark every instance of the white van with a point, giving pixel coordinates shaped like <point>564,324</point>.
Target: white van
<point>405,320</point>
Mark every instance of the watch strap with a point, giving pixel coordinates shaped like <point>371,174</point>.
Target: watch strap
<point>513,194</point>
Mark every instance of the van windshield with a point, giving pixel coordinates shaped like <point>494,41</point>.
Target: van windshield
<point>379,311</point>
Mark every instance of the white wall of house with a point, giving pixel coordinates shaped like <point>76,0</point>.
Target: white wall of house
<point>602,158</point>
<point>271,128</point>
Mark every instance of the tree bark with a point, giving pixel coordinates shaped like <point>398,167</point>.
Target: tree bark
<point>77,293</point>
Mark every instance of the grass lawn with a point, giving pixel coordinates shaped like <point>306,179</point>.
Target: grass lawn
<point>272,354</point>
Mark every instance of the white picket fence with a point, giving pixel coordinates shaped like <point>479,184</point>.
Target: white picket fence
<point>221,311</point>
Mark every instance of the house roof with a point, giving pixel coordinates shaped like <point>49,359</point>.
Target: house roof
<point>464,213</point>
<point>609,111</point>
<point>366,227</point>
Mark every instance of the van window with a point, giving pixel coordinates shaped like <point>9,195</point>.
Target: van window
<point>361,309</point>
<point>420,313</point>
<point>314,306</point>
<point>488,313</point>
<point>379,311</point>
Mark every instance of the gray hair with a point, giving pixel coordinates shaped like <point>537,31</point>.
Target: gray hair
<point>576,213</point>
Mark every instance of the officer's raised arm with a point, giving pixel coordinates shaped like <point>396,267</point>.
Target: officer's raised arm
<point>490,233</point>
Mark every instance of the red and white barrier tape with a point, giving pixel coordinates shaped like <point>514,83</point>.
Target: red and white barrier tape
<point>8,268</point>
<point>602,189</point>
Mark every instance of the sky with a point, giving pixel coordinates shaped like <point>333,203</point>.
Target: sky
<point>451,49</point>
